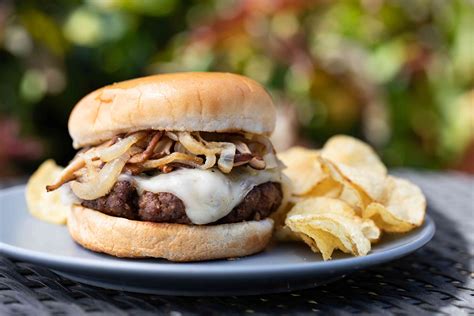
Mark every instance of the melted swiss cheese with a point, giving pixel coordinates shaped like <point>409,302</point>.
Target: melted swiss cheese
<point>208,195</point>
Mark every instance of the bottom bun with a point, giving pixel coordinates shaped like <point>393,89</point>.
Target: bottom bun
<point>176,242</point>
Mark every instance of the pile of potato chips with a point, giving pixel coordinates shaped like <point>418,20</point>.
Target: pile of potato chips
<point>342,198</point>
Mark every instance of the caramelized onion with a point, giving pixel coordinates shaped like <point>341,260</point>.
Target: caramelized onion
<point>210,161</point>
<point>197,148</point>
<point>120,147</point>
<point>174,157</point>
<point>172,136</point>
<point>134,169</point>
<point>166,169</point>
<point>226,151</point>
<point>164,146</point>
<point>103,182</point>
<point>226,157</point>
<point>164,151</point>
<point>242,159</point>
<point>146,154</point>
<point>242,147</point>
<point>67,174</point>
<point>269,156</point>
<point>91,170</point>
<point>257,163</point>
<point>178,147</point>
<point>194,146</point>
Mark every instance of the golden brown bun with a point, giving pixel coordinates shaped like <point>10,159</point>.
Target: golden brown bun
<point>193,101</point>
<point>176,242</point>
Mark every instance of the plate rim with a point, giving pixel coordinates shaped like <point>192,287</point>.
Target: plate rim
<point>67,263</point>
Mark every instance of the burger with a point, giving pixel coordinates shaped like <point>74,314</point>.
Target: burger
<point>175,166</point>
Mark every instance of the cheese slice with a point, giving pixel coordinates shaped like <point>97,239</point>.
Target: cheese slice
<point>208,195</point>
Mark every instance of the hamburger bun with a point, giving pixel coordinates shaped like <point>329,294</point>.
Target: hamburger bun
<point>176,242</point>
<point>209,102</point>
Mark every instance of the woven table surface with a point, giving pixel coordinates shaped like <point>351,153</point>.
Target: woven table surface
<point>436,279</point>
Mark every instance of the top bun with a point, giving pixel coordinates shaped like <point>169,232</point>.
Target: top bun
<point>192,101</point>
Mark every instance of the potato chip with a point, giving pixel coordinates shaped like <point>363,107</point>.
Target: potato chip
<point>328,187</point>
<point>325,243</point>
<point>303,168</point>
<point>401,209</point>
<point>352,152</point>
<point>349,192</point>
<point>358,163</point>
<point>326,224</point>
<point>385,220</point>
<point>45,205</point>
<point>320,205</point>
<point>370,229</point>
<point>368,181</point>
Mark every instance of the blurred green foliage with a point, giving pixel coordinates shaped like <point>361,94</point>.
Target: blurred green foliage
<point>399,74</point>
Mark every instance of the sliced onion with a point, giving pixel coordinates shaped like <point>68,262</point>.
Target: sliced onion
<point>178,147</point>
<point>226,157</point>
<point>242,159</point>
<point>197,148</point>
<point>257,163</point>
<point>133,169</point>
<point>120,147</point>
<point>93,152</point>
<point>269,156</point>
<point>210,161</point>
<point>174,157</point>
<point>210,153</point>
<point>91,170</point>
<point>226,151</point>
<point>242,147</point>
<point>67,174</point>
<point>101,184</point>
<point>194,146</point>
<point>172,136</point>
<point>164,146</point>
<point>148,152</point>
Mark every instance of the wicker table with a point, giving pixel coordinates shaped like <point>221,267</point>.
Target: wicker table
<point>435,279</point>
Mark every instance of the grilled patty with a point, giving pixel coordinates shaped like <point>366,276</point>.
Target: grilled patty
<point>124,201</point>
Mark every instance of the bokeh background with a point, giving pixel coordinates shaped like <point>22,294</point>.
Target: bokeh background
<point>398,74</point>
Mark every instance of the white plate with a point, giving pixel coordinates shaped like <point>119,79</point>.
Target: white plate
<point>280,268</point>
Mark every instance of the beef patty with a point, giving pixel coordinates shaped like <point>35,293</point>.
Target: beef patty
<point>120,202</point>
<point>124,201</point>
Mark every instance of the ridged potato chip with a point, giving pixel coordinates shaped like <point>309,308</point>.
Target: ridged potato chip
<point>352,152</point>
<point>303,168</point>
<point>326,224</point>
<point>401,208</point>
<point>328,187</point>
<point>45,205</point>
<point>349,192</point>
<point>358,163</point>
<point>371,183</point>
